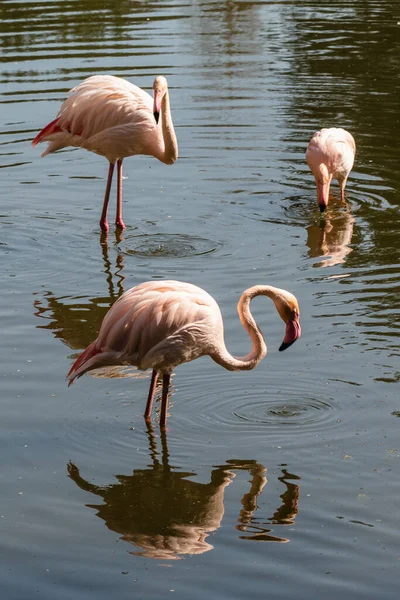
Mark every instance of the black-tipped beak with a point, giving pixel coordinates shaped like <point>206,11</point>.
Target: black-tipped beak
<point>156,116</point>
<point>293,332</point>
<point>285,345</point>
<point>322,207</point>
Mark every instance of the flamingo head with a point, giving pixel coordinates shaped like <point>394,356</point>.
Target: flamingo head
<point>159,90</point>
<point>288,309</point>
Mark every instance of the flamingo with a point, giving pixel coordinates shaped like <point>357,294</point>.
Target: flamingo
<point>330,153</point>
<point>114,118</point>
<point>159,325</point>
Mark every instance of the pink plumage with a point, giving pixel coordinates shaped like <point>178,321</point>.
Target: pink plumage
<point>159,325</point>
<point>116,119</point>
<point>330,154</point>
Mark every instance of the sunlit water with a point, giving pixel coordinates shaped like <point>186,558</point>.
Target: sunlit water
<point>280,482</point>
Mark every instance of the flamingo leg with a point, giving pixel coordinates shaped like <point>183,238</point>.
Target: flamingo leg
<point>150,397</point>
<point>103,218</point>
<point>164,400</point>
<point>118,217</point>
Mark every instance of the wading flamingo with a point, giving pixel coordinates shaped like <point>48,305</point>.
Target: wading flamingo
<point>161,324</point>
<point>330,153</point>
<point>114,118</point>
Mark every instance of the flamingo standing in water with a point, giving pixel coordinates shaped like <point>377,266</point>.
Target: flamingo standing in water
<point>114,118</point>
<point>330,153</point>
<point>161,324</point>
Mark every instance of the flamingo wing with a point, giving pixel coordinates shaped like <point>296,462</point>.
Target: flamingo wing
<point>99,112</point>
<point>157,324</point>
<point>333,147</point>
<point>328,142</point>
<point>340,147</point>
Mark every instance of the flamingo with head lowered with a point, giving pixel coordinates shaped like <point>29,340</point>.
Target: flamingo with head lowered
<point>114,118</point>
<point>159,325</point>
<point>330,154</point>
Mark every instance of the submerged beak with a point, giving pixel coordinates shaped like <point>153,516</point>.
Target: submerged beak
<point>293,332</point>
<point>157,106</point>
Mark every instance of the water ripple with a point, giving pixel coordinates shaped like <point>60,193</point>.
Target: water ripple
<point>278,408</point>
<point>304,411</point>
<point>161,245</point>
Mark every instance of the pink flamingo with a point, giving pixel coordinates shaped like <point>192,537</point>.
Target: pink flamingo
<point>330,153</point>
<point>114,118</point>
<point>162,324</point>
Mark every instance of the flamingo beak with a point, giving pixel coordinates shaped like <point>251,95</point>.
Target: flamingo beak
<point>323,195</point>
<point>157,106</point>
<point>292,333</point>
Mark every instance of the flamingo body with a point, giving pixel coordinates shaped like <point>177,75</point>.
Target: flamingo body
<point>116,119</point>
<point>330,154</point>
<point>161,324</point>
<point>151,325</point>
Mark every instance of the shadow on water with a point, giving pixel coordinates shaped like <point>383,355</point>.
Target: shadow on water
<point>167,515</point>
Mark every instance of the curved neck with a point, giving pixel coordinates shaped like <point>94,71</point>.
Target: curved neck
<point>259,347</point>
<point>170,152</point>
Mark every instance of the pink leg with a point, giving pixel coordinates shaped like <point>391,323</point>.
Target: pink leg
<point>164,401</point>
<point>150,397</point>
<point>103,218</point>
<point>118,218</point>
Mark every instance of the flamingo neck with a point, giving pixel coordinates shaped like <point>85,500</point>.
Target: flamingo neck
<point>170,152</point>
<point>323,178</point>
<point>259,347</point>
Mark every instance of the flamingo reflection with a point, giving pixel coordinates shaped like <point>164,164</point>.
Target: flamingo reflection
<point>164,513</point>
<point>76,320</point>
<point>331,237</point>
<point>285,514</point>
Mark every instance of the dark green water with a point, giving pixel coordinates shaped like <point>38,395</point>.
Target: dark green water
<point>280,482</point>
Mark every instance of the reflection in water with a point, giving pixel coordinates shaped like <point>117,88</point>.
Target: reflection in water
<point>59,24</point>
<point>166,514</point>
<point>331,237</point>
<point>76,321</point>
<point>253,80</point>
<point>288,510</point>
<point>284,515</point>
<point>225,30</point>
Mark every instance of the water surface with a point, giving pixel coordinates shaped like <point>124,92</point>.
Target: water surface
<point>281,481</point>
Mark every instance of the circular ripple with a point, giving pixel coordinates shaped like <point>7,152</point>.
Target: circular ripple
<point>169,245</point>
<point>287,211</point>
<point>305,411</point>
<point>258,410</point>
